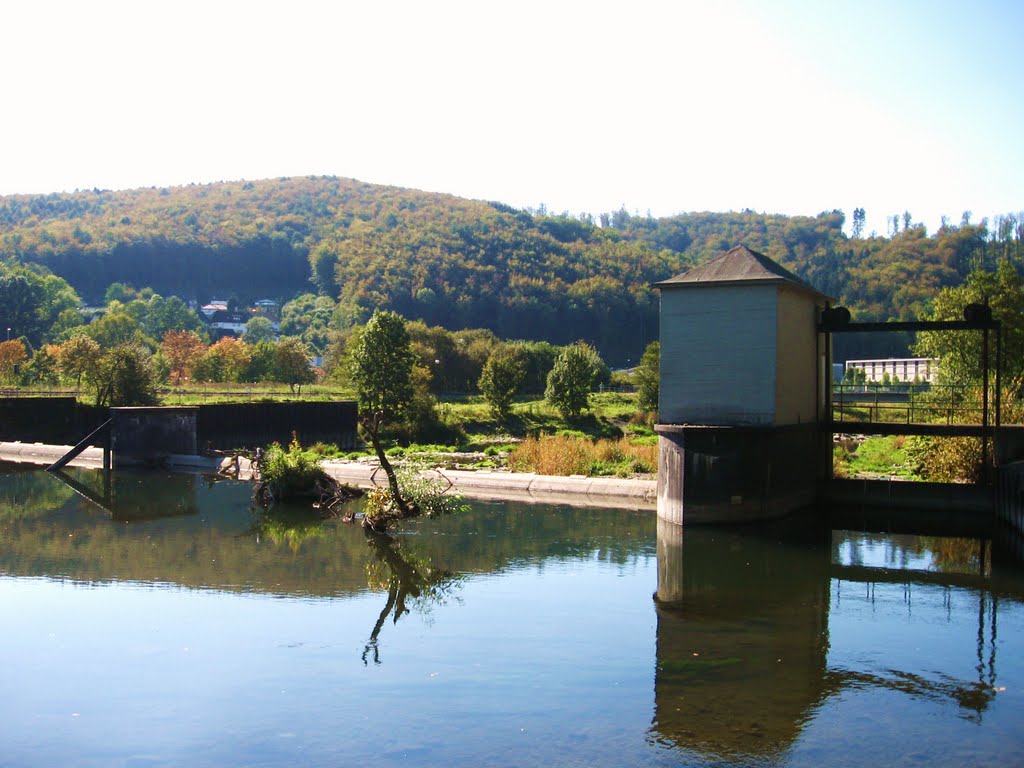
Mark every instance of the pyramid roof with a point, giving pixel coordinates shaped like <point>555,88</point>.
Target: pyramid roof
<point>739,266</point>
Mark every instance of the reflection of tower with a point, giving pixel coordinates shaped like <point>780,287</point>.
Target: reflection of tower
<point>742,637</point>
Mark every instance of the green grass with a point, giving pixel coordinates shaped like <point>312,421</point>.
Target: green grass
<point>607,418</point>
<point>875,457</point>
<point>221,392</point>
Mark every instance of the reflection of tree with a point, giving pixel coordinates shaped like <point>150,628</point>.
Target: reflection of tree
<point>291,524</point>
<point>406,576</point>
<point>410,578</point>
<point>958,555</point>
<point>943,554</point>
<point>27,492</point>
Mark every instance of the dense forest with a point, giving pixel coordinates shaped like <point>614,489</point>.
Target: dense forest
<point>463,264</point>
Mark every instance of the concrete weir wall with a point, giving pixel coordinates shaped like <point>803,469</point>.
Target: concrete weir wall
<point>736,474</point>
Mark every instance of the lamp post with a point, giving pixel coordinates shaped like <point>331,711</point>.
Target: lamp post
<point>8,334</point>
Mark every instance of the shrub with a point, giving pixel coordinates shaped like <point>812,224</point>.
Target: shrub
<point>290,473</point>
<point>427,489</point>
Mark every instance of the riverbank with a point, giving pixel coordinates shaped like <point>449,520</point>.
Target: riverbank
<point>495,485</point>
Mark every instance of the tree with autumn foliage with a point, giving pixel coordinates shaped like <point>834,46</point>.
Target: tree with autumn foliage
<point>226,360</point>
<point>291,358</point>
<point>183,350</point>
<point>12,355</point>
<point>78,358</point>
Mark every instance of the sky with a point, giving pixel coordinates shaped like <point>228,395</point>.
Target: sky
<point>781,106</point>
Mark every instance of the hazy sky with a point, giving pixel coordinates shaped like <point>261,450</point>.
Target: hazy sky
<point>779,106</point>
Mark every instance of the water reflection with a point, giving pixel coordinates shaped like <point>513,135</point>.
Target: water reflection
<point>523,635</point>
<point>742,638</point>
<point>746,621</point>
<point>210,537</point>
<point>127,496</point>
<point>407,576</point>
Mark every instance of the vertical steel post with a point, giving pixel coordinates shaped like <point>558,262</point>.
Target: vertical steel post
<point>984,401</point>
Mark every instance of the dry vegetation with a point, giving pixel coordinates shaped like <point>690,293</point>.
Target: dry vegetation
<point>570,455</point>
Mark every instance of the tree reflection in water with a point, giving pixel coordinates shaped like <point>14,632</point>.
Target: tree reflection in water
<point>411,579</point>
<point>290,524</point>
<point>407,576</point>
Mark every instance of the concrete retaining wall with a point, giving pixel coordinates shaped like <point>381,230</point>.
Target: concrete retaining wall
<point>50,420</point>
<point>230,426</point>
<point>609,492</point>
<point>150,435</point>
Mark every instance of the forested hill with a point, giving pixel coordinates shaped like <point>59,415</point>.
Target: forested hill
<point>461,263</point>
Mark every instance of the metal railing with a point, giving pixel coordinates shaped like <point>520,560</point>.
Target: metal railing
<point>906,404</point>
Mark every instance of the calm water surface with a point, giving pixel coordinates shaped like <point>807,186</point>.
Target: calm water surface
<point>165,623</point>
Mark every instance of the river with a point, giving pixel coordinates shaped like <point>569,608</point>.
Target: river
<point>166,622</point>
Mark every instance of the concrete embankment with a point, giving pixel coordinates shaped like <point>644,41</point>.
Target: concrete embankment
<point>44,455</point>
<point>618,493</point>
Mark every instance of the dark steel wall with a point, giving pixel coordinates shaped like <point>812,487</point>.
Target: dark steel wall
<point>248,425</point>
<point>50,420</point>
<point>62,421</point>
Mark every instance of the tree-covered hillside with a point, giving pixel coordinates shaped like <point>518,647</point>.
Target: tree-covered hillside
<point>465,264</point>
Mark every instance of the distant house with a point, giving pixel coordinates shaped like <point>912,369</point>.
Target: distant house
<point>215,305</point>
<point>223,323</point>
<point>267,307</point>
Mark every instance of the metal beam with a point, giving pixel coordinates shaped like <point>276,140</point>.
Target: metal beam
<point>912,326</point>
<point>88,440</point>
<point>932,430</point>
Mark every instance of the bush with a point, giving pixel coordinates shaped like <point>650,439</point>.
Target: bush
<point>291,473</point>
<point>947,459</point>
